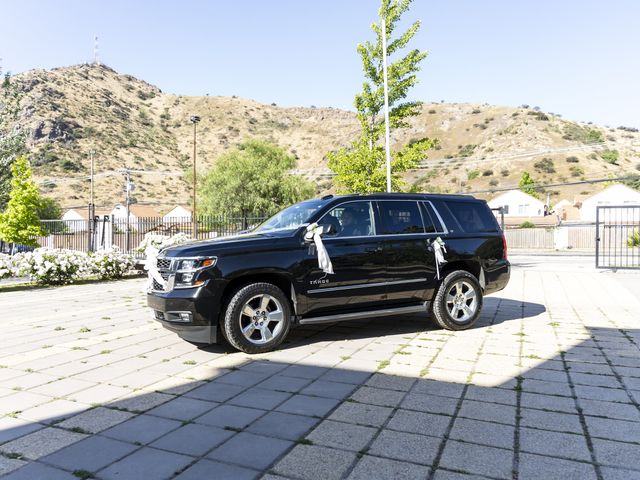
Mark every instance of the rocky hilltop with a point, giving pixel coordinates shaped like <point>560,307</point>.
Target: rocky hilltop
<point>132,124</point>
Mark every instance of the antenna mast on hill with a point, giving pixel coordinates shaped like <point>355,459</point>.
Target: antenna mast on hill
<point>96,58</point>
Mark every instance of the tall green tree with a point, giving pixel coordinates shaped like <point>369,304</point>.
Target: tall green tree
<point>526,184</point>
<point>12,139</point>
<point>252,180</point>
<point>362,167</point>
<point>19,223</point>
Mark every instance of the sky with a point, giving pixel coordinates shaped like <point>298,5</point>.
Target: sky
<point>577,58</point>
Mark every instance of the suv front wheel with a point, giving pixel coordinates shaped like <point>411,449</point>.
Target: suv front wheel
<point>257,318</point>
<point>458,301</point>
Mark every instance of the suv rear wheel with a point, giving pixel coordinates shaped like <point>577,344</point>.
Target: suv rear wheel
<point>257,318</point>
<point>458,301</point>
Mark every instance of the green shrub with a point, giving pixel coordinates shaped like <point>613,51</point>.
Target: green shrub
<point>634,239</point>
<point>610,156</point>
<point>432,111</point>
<point>494,182</point>
<point>545,165</point>
<point>527,224</point>
<point>504,172</point>
<point>472,174</point>
<point>582,134</point>
<point>576,171</point>
<point>467,150</point>
<point>487,173</point>
<point>572,159</point>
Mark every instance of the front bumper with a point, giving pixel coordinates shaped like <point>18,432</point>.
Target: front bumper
<point>191,313</point>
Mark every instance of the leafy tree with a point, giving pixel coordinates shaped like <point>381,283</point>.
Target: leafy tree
<point>12,140</point>
<point>252,180</point>
<point>362,166</point>
<point>49,209</point>
<point>526,184</point>
<point>19,223</point>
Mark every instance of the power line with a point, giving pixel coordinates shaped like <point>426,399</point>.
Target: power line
<point>565,184</point>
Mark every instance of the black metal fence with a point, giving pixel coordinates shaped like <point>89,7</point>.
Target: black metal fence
<point>618,237</point>
<point>107,231</point>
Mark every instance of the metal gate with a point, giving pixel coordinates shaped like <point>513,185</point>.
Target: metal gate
<point>618,236</point>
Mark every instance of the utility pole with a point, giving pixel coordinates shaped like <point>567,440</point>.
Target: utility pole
<point>92,208</point>
<point>194,119</point>
<point>386,102</point>
<point>127,187</point>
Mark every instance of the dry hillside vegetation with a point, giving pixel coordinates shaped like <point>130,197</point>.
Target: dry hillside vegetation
<point>130,123</point>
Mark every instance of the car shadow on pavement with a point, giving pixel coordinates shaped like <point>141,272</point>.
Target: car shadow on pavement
<point>402,401</point>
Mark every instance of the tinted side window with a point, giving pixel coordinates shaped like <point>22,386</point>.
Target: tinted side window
<point>400,217</point>
<point>431,222</point>
<point>473,217</point>
<point>351,219</point>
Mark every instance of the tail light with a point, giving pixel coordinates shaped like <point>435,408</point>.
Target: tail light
<point>504,246</point>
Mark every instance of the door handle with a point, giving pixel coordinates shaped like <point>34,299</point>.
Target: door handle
<point>373,249</point>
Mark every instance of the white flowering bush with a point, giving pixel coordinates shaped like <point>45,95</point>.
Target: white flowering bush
<point>51,266</point>
<point>110,264</point>
<point>6,266</point>
<point>157,242</point>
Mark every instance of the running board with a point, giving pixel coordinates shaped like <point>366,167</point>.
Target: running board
<point>341,317</point>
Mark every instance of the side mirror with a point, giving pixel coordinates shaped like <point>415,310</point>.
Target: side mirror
<point>328,229</point>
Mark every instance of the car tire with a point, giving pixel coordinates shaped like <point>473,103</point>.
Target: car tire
<point>457,302</point>
<point>257,318</point>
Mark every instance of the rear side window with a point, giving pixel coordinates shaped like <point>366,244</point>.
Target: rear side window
<point>473,217</point>
<point>399,217</point>
<point>431,221</point>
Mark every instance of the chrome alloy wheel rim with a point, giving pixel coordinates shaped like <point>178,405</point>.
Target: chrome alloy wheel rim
<point>261,319</point>
<point>462,301</point>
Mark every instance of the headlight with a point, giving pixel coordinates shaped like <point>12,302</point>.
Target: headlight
<point>188,269</point>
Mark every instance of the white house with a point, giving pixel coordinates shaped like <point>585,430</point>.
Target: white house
<point>177,213</point>
<point>141,217</point>
<point>518,204</point>
<point>76,218</point>
<point>615,195</point>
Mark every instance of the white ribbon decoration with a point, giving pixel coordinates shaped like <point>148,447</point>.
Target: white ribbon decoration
<point>324,262</point>
<point>439,250</point>
<point>151,266</point>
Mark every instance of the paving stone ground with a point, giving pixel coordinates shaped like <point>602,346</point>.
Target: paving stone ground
<point>547,386</point>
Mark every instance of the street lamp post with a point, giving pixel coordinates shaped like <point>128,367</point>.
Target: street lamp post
<point>194,119</point>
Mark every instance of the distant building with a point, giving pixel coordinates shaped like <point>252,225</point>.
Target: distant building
<point>76,218</point>
<point>518,204</point>
<point>567,211</point>
<point>177,213</point>
<point>142,218</point>
<point>615,195</point>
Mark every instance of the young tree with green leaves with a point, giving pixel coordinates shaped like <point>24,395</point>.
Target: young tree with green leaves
<point>361,167</point>
<point>19,223</point>
<point>12,139</point>
<point>252,180</point>
<point>526,184</point>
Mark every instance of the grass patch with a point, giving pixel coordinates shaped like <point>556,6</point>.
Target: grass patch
<point>232,429</point>
<point>105,352</point>
<point>57,329</point>
<point>84,330</point>
<point>189,362</point>
<point>84,474</point>
<point>383,364</point>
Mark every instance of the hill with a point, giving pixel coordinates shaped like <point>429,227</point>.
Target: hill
<point>130,123</point>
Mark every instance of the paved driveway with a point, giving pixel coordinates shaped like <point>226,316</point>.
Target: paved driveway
<point>547,386</point>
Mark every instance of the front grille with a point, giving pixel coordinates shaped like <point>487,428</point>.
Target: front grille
<point>157,286</point>
<point>164,264</point>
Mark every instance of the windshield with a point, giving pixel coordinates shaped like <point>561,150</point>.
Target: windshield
<point>293,217</point>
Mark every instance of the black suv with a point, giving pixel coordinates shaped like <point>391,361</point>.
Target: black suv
<point>253,287</point>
